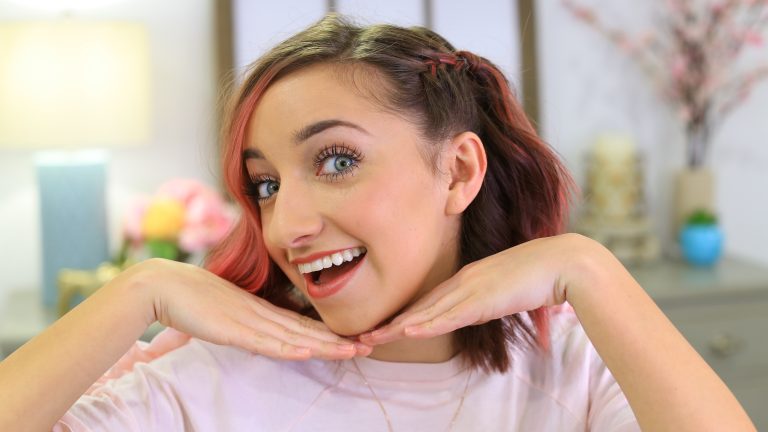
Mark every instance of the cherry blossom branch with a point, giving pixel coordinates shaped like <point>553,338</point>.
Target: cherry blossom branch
<point>694,59</point>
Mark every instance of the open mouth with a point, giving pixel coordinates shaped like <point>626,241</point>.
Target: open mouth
<point>334,274</point>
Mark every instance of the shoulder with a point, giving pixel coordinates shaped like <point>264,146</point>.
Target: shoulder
<point>573,377</point>
<point>568,361</point>
<point>230,364</point>
<point>206,385</point>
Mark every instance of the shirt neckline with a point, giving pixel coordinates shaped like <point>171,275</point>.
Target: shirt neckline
<point>406,372</point>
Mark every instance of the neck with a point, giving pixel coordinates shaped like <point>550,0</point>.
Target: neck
<point>433,350</point>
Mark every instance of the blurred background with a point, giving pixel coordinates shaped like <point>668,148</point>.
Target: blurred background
<point>657,107</point>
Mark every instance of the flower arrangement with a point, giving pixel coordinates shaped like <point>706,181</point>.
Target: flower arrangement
<point>695,59</point>
<point>183,217</point>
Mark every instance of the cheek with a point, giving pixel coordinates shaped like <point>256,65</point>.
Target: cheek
<point>275,253</point>
<point>399,219</point>
<point>266,218</point>
<point>385,209</point>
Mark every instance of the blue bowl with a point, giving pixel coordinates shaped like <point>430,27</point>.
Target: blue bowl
<point>702,245</point>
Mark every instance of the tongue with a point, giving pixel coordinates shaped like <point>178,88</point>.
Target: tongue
<point>333,272</point>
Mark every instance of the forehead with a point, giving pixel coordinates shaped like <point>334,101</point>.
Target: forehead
<point>313,94</point>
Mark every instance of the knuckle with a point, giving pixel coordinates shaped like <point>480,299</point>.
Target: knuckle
<point>285,348</point>
<point>307,323</point>
<point>331,347</point>
<point>429,310</point>
<point>452,315</point>
<point>258,340</point>
<point>292,335</point>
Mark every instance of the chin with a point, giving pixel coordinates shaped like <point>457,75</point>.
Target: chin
<point>349,326</point>
<point>348,329</point>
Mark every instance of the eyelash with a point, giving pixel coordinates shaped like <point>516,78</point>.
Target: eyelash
<point>251,188</point>
<point>335,150</point>
<point>253,184</point>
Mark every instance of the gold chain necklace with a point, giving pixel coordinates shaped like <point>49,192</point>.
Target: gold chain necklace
<point>384,411</point>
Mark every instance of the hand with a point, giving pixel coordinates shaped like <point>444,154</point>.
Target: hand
<point>201,304</point>
<point>522,278</point>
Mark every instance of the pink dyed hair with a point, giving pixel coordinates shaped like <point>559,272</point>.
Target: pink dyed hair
<point>443,91</point>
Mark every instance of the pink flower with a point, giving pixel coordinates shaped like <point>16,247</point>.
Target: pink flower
<point>206,217</point>
<point>646,39</point>
<point>585,14</point>
<point>753,38</point>
<point>679,68</point>
<point>581,12</point>
<point>684,113</point>
<point>183,190</point>
<point>134,219</point>
<point>624,43</point>
<point>694,59</point>
<point>207,221</point>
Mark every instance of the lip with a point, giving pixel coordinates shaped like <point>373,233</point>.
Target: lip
<point>314,256</point>
<point>331,288</point>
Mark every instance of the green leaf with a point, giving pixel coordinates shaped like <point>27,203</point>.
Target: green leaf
<point>163,249</point>
<point>702,217</point>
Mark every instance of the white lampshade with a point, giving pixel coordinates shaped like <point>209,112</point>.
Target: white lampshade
<point>73,83</point>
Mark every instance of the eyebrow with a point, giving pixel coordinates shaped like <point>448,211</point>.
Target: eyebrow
<point>307,132</point>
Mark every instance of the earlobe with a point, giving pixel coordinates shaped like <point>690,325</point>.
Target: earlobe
<point>467,164</point>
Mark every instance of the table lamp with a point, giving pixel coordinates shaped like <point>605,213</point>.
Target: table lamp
<point>69,89</point>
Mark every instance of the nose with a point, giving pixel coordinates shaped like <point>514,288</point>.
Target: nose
<point>294,221</point>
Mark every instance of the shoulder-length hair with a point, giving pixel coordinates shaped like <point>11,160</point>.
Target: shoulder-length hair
<point>443,91</point>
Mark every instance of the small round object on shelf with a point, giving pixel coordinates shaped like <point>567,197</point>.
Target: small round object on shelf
<point>702,245</point>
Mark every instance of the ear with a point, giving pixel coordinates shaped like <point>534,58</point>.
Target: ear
<point>464,159</point>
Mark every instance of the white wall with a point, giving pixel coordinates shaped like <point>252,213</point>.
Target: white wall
<point>182,142</point>
<point>256,28</point>
<point>489,28</point>
<point>590,87</point>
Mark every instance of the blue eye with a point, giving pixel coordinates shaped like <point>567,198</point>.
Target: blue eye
<point>336,164</point>
<point>336,160</point>
<point>261,188</point>
<point>267,188</point>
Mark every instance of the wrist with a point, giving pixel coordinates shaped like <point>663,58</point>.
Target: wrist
<point>134,284</point>
<point>588,266</point>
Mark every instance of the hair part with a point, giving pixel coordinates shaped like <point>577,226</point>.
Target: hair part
<point>422,78</point>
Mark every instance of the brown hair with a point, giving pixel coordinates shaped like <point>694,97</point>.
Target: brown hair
<point>444,92</point>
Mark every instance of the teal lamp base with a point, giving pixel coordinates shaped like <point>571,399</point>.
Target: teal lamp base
<point>73,216</point>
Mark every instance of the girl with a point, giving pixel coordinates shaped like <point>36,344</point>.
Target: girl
<point>399,233</point>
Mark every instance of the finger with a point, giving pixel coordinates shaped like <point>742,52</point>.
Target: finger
<point>318,347</point>
<point>455,318</point>
<point>264,344</point>
<point>363,350</point>
<point>427,312</point>
<point>443,297</point>
<point>297,322</point>
<point>441,306</point>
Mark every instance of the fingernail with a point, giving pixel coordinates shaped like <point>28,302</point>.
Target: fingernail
<point>346,347</point>
<point>378,332</point>
<point>302,350</point>
<point>410,331</point>
<point>362,347</point>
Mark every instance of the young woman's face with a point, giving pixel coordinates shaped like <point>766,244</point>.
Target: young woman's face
<point>336,176</point>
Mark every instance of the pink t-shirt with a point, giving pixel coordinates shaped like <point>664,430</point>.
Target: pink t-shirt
<point>205,387</point>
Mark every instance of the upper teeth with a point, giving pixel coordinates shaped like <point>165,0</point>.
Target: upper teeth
<point>331,260</point>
